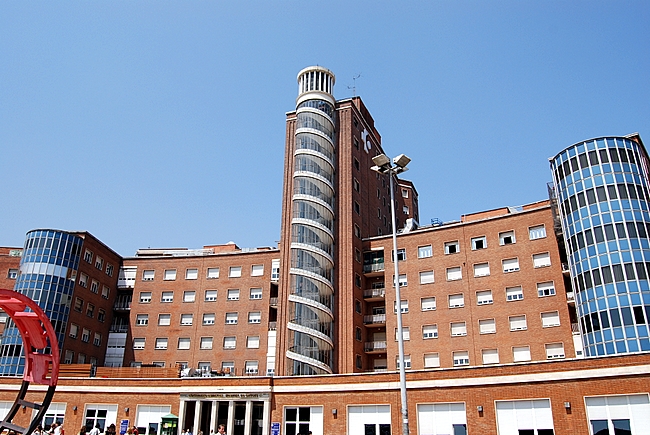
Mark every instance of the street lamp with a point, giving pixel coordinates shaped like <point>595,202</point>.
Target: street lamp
<point>383,165</point>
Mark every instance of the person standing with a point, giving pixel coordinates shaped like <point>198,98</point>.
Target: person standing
<point>221,430</point>
<point>95,430</point>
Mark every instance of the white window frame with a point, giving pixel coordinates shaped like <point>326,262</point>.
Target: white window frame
<point>142,319</point>
<point>457,300</point>
<point>521,353</point>
<point>545,289</point>
<point>406,333</point>
<point>490,356</point>
<point>257,270</point>
<point>542,259</point>
<point>253,342</point>
<point>169,275</point>
<point>162,343</point>
<point>428,303</point>
<point>230,342</point>
<point>232,318</point>
<point>431,360</point>
<point>184,343</point>
<point>425,251</point>
<point>145,297</point>
<point>518,322</point>
<point>479,242</point>
<point>460,358</point>
<point>206,343</point>
<point>189,296</point>
<point>537,232</point>
<point>187,319</point>
<point>454,273</point>
<point>426,277</point>
<point>209,318</point>
<point>167,297</point>
<point>233,294</point>
<point>234,272</point>
<point>429,331</point>
<point>510,264</point>
<point>554,350</point>
<point>192,273</point>
<point>255,317</point>
<point>148,275</point>
<point>458,329</point>
<point>484,297</point>
<point>507,238</point>
<point>139,343</point>
<point>404,306</point>
<point>255,293</point>
<point>452,247</point>
<point>164,319</point>
<point>487,326</point>
<point>212,273</point>
<point>481,269</point>
<point>515,293</point>
<point>210,295</point>
<point>550,319</point>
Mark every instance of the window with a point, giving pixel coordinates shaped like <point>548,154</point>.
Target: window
<point>192,274</point>
<point>147,275</point>
<point>167,297</point>
<point>213,272</point>
<point>138,343</point>
<point>355,182</point>
<point>425,251</point>
<point>109,269</point>
<point>487,326</point>
<point>85,335</point>
<point>275,269</point>
<point>189,296</point>
<point>233,294</point>
<point>554,350</point>
<point>97,339</point>
<point>456,301</point>
<point>208,319</point>
<point>69,356</point>
<point>229,342</point>
<point>452,247</point>
<point>514,293</point>
<point>12,274</point>
<point>458,329</point>
<point>145,297</point>
<point>74,330</point>
<point>545,289</point>
<point>403,282</point>
<point>187,319</point>
<point>506,238</point>
<point>357,306</point>
<point>429,331</point>
<point>88,256</point>
<point>426,277</point>
<point>83,280</point>
<point>101,315</point>
<point>517,323</point>
<point>490,356</point>
<point>406,334</point>
<point>358,334</point>
<point>428,304</point>
<point>541,260</point>
<point>164,319</point>
<point>210,295</point>
<point>481,269</point>
<point>78,304</point>
<point>105,292</point>
<point>461,358</point>
<point>251,367</point>
<point>231,318</point>
<point>183,343</point>
<point>170,275</point>
<point>479,243</point>
<point>255,317</point>
<point>357,280</point>
<point>521,353</point>
<point>357,208</point>
<point>206,343</point>
<point>510,265</point>
<point>142,319</point>
<point>484,297</point>
<point>90,310</point>
<point>357,231</point>
<point>537,232</point>
<point>405,209</point>
<point>404,306</point>
<point>356,164</point>
<point>454,273</point>
<point>257,270</point>
<point>401,255</point>
<point>228,366</point>
<point>161,343</point>
<point>253,342</point>
<point>94,286</point>
<point>407,362</point>
<point>550,319</point>
<point>405,193</point>
<point>234,272</point>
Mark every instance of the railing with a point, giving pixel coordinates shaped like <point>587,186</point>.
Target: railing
<point>374,267</point>
<point>273,326</point>
<point>565,268</point>
<point>575,328</point>
<point>374,318</point>
<point>273,302</point>
<point>119,328</point>
<point>374,293</point>
<point>374,346</point>
<point>122,304</point>
<point>570,296</point>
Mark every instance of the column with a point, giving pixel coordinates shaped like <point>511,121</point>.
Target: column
<point>197,415</point>
<point>248,417</point>
<point>213,417</point>
<point>230,428</point>
<point>266,417</point>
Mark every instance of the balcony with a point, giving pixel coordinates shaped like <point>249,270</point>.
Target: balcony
<point>375,268</point>
<point>374,294</point>
<point>565,269</point>
<point>570,297</point>
<point>273,302</point>
<point>375,347</point>
<point>375,320</point>
<point>122,304</point>
<point>273,326</point>
<point>575,329</point>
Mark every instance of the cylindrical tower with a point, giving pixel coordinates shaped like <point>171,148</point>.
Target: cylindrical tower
<point>48,270</point>
<point>602,193</point>
<point>310,325</point>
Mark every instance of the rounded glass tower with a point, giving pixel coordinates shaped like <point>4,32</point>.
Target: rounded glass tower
<point>48,269</point>
<point>312,226</point>
<point>602,193</point>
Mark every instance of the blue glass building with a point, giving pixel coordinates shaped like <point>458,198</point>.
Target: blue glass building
<point>602,193</point>
<point>48,269</point>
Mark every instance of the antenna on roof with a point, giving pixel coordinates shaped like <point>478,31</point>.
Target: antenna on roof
<point>354,86</point>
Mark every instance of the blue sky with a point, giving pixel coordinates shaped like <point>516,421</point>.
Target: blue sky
<point>162,124</point>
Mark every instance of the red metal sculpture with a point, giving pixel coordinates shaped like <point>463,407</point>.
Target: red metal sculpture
<point>41,349</point>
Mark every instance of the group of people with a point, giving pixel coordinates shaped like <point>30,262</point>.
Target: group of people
<point>221,430</point>
<point>55,429</point>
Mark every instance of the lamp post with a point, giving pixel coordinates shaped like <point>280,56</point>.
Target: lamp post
<point>383,165</point>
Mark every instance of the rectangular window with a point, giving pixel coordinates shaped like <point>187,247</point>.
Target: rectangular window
<point>101,315</point>
<point>537,232</point>
<point>461,358</point>
<point>406,334</point>
<point>142,319</point>
<point>88,256</point>
<point>189,296</point>
<point>109,269</point>
<point>357,208</point>
<point>479,243</point>
<point>170,275</point>
<point>253,342</point>
<point>550,319</point>
<point>541,260</point>
<point>425,251</point>
<point>514,293</point>
<point>454,273</point>
<point>487,326</point>
<point>83,280</point>
<point>210,295</point>
<point>206,343</point>
<point>233,294</point>
<point>521,353</point>
<point>510,265</point>
<point>234,272</point>
<point>405,209</point>
<point>183,343</point>
<point>148,275</point>
<point>90,310</point>
<point>404,305</point>
<point>255,317</point>
<point>407,362</point>
<point>428,304</point>
<point>452,247</point>
<point>507,238</point>
<point>161,343</point>
<point>74,330</point>
<point>458,329</point>
<point>231,318</point>
<point>431,360</point>
<point>429,331</point>
<point>97,339</point>
<point>145,297</point>
<point>167,297</point>
<point>256,293</point>
<point>187,319</point>
<point>456,301</point>
<point>229,342</point>
<point>517,323</point>
<point>484,297</point>
<point>257,270</point>
<point>94,286</point>
<point>78,304</point>
<point>164,319</point>
<point>426,277</point>
<point>105,292</point>
<point>85,335</point>
<point>403,282</point>
<point>545,289</point>
<point>490,356</point>
<point>208,319</point>
<point>99,263</point>
<point>213,272</point>
<point>251,367</point>
<point>275,270</point>
<point>12,274</point>
<point>138,343</point>
<point>554,350</point>
<point>401,255</point>
<point>481,269</point>
<point>192,274</point>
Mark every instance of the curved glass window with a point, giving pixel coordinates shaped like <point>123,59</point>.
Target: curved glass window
<point>321,105</point>
<point>317,122</point>
<point>313,164</point>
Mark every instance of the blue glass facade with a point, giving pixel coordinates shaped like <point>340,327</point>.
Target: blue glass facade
<point>602,193</point>
<point>47,275</point>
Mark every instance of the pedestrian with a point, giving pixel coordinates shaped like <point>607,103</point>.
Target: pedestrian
<point>110,430</point>
<point>82,430</point>
<point>221,429</point>
<point>95,430</point>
